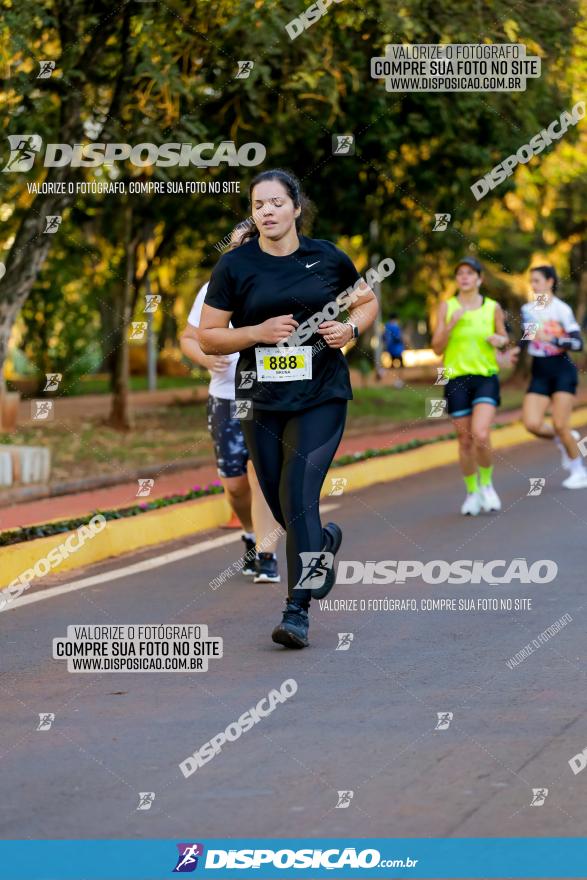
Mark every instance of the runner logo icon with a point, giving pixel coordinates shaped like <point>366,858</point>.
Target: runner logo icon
<point>530,331</point>
<point>540,301</point>
<point>441,222</point>
<point>145,486</point>
<point>247,379</point>
<point>344,800</point>
<point>138,330</point>
<point>343,145</point>
<point>146,799</point>
<point>338,485</point>
<point>52,381</point>
<point>46,68</point>
<point>241,409</point>
<point>344,641</point>
<point>52,223</point>
<point>444,375</point>
<point>539,795</point>
<point>244,69</point>
<point>315,567</point>
<point>188,857</point>
<point>42,410</point>
<point>436,407</point>
<point>152,302</point>
<point>537,484</point>
<point>444,719</point>
<point>23,149</point>
<point>46,719</point>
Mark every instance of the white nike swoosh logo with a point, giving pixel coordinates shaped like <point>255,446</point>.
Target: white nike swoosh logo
<point>309,265</point>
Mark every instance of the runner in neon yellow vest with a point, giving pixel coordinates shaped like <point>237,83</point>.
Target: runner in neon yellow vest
<point>470,330</point>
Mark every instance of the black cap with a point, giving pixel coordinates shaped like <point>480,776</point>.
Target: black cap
<point>473,262</point>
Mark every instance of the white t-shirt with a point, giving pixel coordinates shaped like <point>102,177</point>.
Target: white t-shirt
<point>556,319</point>
<point>221,381</point>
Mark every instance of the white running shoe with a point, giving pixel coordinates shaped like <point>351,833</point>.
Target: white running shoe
<point>471,505</point>
<point>489,499</point>
<point>578,480</point>
<point>565,460</point>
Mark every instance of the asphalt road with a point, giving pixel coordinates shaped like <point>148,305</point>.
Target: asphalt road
<point>362,720</point>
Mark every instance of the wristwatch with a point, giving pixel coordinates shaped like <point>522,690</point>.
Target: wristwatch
<point>355,330</point>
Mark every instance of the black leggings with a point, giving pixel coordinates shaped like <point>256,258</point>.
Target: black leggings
<point>291,452</point>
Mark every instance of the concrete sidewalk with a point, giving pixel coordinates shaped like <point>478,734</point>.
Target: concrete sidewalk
<point>28,513</point>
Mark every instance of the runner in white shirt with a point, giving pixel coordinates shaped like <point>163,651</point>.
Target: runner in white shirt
<point>550,332</point>
<point>235,469</point>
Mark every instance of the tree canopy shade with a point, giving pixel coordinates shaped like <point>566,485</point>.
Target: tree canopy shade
<point>167,72</point>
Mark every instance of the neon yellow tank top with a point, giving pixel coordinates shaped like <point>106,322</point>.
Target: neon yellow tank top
<point>467,352</point>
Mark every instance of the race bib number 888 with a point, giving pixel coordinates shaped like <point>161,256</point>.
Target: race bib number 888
<point>284,364</point>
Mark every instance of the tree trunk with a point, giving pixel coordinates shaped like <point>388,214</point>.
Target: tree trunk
<point>109,331</point>
<point>25,259</point>
<point>119,413</point>
<point>5,328</point>
<point>31,246</point>
<point>373,338</point>
<point>581,307</point>
<point>6,322</point>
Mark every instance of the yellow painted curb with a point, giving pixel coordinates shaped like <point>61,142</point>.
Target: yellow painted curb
<point>120,536</point>
<point>394,467</point>
<point>190,517</point>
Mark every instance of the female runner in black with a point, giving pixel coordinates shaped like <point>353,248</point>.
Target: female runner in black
<point>293,396</point>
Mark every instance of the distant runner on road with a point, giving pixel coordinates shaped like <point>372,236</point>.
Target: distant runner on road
<point>470,330</point>
<point>550,332</point>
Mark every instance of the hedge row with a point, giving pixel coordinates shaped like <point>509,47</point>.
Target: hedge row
<point>16,536</point>
<point>28,533</point>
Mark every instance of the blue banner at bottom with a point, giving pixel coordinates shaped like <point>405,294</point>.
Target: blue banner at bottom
<point>552,857</point>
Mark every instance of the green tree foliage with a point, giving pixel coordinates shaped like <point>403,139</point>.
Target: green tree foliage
<point>160,72</point>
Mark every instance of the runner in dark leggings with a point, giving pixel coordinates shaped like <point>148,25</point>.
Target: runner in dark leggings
<point>294,451</point>
<point>282,287</point>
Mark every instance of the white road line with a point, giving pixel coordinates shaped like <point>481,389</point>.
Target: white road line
<point>135,568</point>
<point>127,570</point>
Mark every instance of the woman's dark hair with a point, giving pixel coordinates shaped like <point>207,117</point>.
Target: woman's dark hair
<point>548,272</point>
<point>241,226</point>
<point>241,230</point>
<point>294,190</point>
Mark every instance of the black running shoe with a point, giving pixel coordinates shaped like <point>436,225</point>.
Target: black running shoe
<point>267,572</point>
<point>332,534</point>
<point>332,540</point>
<point>249,557</point>
<point>292,632</point>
